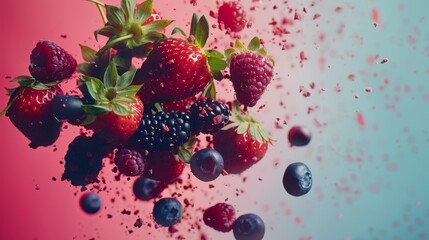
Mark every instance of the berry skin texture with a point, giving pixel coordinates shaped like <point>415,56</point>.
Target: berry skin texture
<point>232,16</point>
<point>129,162</point>
<point>163,131</point>
<point>239,151</point>
<point>167,211</point>
<point>90,203</point>
<point>174,70</point>
<point>299,136</point>
<point>162,166</point>
<point>147,189</point>
<point>209,116</point>
<point>220,217</point>
<point>68,108</point>
<point>206,164</point>
<point>249,227</point>
<point>297,179</point>
<point>49,62</point>
<point>250,74</point>
<point>32,114</point>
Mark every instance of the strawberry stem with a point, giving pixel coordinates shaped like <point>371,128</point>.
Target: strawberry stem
<point>100,6</point>
<point>112,43</point>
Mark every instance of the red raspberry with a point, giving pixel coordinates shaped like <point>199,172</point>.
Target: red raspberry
<point>250,75</point>
<point>130,162</point>
<point>220,217</point>
<point>232,16</point>
<point>49,62</point>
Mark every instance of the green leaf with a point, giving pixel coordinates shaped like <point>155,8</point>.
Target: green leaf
<point>95,87</point>
<point>125,80</point>
<point>111,75</point>
<point>194,23</point>
<point>21,78</point>
<point>239,45</point>
<point>210,90</point>
<point>144,11</point>
<point>88,53</point>
<point>254,44</point>
<point>121,109</point>
<point>107,31</point>
<point>178,30</point>
<point>128,8</point>
<point>84,68</point>
<point>184,155</point>
<point>10,91</point>
<point>216,63</point>
<point>130,91</point>
<point>115,16</point>
<point>231,125</point>
<point>229,52</point>
<point>157,26</point>
<point>151,37</point>
<point>25,82</point>
<point>262,51</point>
<point>88,120</point>
<point>254,132</point>
<point>95,110</point>
<point>50,84</point>
<point>126,99</point>
<point>217,75</point>
<point>39,86</point>
<point>242,128</point>
<point>214,53</point>
<point>202,32</point>
<point>123,59</point>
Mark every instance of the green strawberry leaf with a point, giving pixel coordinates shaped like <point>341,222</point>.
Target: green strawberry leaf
<point>183,155</point>
<point>214,53</point>
<point>111,75</point>
<point>157,25</point>
<point>88,120</point>
<point>231,125</point>
<point>107,31</point>
<point>84,68</point>
<point>254,132</point>
<point>26,82</point>
<point>201,32</point>
<point>210,90</point>
<point>39,86</point>
<point>125,80</point>
<point>144,11</point>
<point>128,8</point>
<point>10,91</point>
<point>151,37</point>
<point>130,91</point>
<point>88,54</point>
<point>216,63</point>
<point>121,109</point>
<point>115,16</point>
<point>95,110</point>
<point>178,30</point>
<point>242,128</point>
<point>126,99</point>
<point>262,51</point>
<point>239,45</point>
<point>194,22</point>
<point>254,44</point>
<point>95,87</point>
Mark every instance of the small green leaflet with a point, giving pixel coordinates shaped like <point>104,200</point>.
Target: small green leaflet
<point>88,54</point>
<point>95,110</point>
<point>115,16</point>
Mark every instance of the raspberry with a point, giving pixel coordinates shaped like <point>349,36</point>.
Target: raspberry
<point>232,16</point>
<point>130,162</point>
<point>250,74</point>
<point>209,116</point>
<point>163,131</point>
<point>220,217</point>
<point>49,62</point>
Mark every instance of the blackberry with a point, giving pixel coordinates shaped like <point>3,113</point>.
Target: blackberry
<point>163,130</point>
<point>130,162</point>
<point>209,116</point>
<point>83,160</point>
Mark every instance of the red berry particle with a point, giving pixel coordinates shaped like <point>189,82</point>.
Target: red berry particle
<point>220,217</point>
<point>232,16</point>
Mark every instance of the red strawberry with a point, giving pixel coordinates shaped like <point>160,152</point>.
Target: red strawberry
<point>180,105</point>
<point>117,112</point>
<point>30,111</point>
<point>49,62</point>
<point>177,69</point>
<point>241,143</point>
<point>220,217</point>
<point>163,166</point>
<point>232,16</point>
<point>251,72</point>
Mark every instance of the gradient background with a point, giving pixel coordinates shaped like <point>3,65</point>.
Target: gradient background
<point>368,153</point>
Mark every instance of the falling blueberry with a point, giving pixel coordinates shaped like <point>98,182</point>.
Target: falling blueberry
<point>90,203</point>
<point>299,136</point>
<point>207,164</point>
<point>68,108</point>
<point>249,227</point>
<point>297,179</point>
<point>167,212</point>
<point>147,189</point>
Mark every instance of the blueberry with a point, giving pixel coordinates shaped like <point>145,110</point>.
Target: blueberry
<point>207,164</point>
<point>68,108</point>
<point>147,189</point>
<point>299,136</point>
<point>249,227</point>
<point>167,212</point>
<point>90,203</point>
<point>297,179</point>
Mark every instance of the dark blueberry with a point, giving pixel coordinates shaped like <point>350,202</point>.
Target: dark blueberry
<point>90,203</point>
<point>249,227</point>
<point>147,189</point>
<point>299,136</point>
<point>297,179</point>
<point>206,164</point>
<point>167,212</point>
<point>68,108</point>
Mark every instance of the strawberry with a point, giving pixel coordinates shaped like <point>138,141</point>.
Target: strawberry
<point>177,69</point>
<point>163,166</point>
<point>180,105</point>
<point>220,217</point>
<point>251,71</point>
<point>29,109</point>
<point>232,16</point>
<point>117,112</point>
<point>242,143</point>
